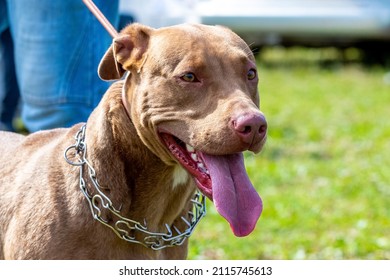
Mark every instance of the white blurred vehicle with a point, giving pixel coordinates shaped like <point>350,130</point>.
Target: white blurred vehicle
<point>158,13</point>
<point>301,21</point>
<point>274,21</point>
<point>361,23</point>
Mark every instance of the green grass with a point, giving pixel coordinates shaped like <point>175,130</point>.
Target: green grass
<point>324,175</point>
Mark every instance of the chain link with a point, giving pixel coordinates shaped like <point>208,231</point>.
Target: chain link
<point>123,227</point>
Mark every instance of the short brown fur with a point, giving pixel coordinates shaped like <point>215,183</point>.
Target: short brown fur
<point>44,215</point>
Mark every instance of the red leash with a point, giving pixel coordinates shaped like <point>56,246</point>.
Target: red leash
<point>112,31</point>
<point>103,20</point>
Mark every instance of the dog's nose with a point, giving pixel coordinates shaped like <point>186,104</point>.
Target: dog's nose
<point>251,128</point>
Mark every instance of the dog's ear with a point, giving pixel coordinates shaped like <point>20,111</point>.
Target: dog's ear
<point>126,53</point>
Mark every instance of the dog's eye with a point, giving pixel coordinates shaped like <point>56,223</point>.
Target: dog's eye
<point>251,74</point>
<point>189,77</point>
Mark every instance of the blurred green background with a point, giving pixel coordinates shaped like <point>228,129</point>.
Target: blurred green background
<point>324,174</point>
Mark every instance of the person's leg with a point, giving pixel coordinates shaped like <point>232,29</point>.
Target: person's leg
<point>9,84</point>
<point>9,92</point>
<point>58,46</point>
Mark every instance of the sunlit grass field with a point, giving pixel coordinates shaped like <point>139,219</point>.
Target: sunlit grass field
<point>324,175</point>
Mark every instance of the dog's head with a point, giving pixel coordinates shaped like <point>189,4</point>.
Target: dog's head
<point>192,96</point>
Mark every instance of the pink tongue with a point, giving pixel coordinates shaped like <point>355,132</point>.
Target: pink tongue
<point>233,194</point>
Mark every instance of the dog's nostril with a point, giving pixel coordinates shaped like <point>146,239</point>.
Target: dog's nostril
<point>263,129</point>
<point>247,129</point>
<point>250,127</point>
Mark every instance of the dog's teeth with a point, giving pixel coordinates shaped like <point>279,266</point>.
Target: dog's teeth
<point>202,167</point>
<point>194,157</point>
<point>190,148</point>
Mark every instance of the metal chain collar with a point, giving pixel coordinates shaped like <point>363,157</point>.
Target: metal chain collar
<point>123,227</point>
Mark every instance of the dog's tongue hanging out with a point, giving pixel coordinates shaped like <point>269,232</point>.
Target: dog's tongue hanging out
<point>233,194</point>
<point>224,180</point>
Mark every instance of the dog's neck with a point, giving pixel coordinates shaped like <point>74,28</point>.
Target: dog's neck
<point>141,179</point>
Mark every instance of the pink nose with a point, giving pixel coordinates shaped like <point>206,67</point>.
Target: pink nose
<point>251,128</point>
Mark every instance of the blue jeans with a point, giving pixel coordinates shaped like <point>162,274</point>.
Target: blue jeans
<point>58,45</point>
<point>9,89</point>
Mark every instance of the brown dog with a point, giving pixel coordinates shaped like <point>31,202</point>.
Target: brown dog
<point>179,122</point>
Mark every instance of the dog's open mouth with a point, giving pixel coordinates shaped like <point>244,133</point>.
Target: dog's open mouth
<point>192,161</point>
<point>223,179</point>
